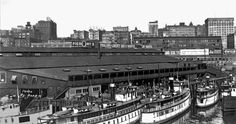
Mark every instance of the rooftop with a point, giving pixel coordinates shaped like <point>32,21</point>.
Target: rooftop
<point>11,63</point>
<point>60,74</point>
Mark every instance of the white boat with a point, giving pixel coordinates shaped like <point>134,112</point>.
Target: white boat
<point>207,96</point>
<point>10,114</point>
<point>124,109</point>
<point>166,107</point>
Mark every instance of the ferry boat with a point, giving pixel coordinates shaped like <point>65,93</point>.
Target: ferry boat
<point>123,108</point>
<point>229,102</point>
<point>10,114</point>
<point>166,106</point>
<point>207,96</point>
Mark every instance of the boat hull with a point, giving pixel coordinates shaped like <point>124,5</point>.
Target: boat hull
<point>207,101</point>
<point>156,117</point>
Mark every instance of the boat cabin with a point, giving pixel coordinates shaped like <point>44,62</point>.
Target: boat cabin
<point>9,109</point>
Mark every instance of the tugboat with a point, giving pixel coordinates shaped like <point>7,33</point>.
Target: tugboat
<point>167,105</point>
<point>229,101</point>
<point>207,95</point>
<point>124,107</point>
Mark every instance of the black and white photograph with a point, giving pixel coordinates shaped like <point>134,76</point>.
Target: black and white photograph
<point>117,62</point>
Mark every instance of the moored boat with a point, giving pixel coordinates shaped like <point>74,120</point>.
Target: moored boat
<point>207,96</point>
<point>207,93</point>
<point>124,107</point>
<point>167,106</point>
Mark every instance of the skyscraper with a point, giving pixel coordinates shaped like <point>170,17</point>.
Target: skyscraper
<point>48,29</point>
<point>220,27</point>
<point>153,28</point>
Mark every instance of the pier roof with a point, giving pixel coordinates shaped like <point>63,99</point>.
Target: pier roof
<point>58,73</point>
<point>10,63</point>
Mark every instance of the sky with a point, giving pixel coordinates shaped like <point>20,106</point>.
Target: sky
<point>85,14</point>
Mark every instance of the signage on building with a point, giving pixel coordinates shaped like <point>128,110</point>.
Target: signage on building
<point>194,51</point>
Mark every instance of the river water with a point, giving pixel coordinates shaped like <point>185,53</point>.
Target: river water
<point>210,115</point>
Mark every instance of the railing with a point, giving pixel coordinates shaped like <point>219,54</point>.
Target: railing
<point>35,110</point>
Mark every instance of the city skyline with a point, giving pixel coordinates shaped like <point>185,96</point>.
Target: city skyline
<point>81,15</point>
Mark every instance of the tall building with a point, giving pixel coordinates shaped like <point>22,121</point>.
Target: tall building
<point>180,30</point>
<point>122,35</point>
<point>95,34</point>
<point>220,27</point>
<point>80,34</point>
<point>153,28</point>
<point>134,33</point>
<point>231,44</point>
<point>48,29</point>
<point>108,37</point>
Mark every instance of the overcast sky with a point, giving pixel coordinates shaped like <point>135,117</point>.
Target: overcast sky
<point>83,14</point>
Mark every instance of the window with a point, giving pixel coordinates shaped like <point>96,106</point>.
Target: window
<point>24,119</point>
<point>78,91</point>
<point>14,79</point>
<point>96,88</point>
<point>72,119</point>
<point>34,80</point>
<point>85,90</point>
<point>24,79</point>
<point>2,77</point>
<point>78,77</point>
<point>105,75</point>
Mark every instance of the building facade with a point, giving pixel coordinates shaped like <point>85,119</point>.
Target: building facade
<point>200,30</point>
<point>108,37</point>
<point>80,34</point>
<point>122,35</point>
<point>231,44</point>
<point>134,33</point>
<point>48,29</point>
<point>153,28</point>
<point>220,27</point>
<point>180,30</point>
<point>95,34</point>
<point>213,43</point>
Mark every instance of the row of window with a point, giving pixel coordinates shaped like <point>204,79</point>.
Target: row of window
<point>156,114</point>
<point>85,90</point>
<point>126,74</point>
<point>26,80</point>
<point>114,121</point>
<point>206,58</point>
<point>74,54</point>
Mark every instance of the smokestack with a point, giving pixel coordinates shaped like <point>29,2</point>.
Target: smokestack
<point>112,90</point>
